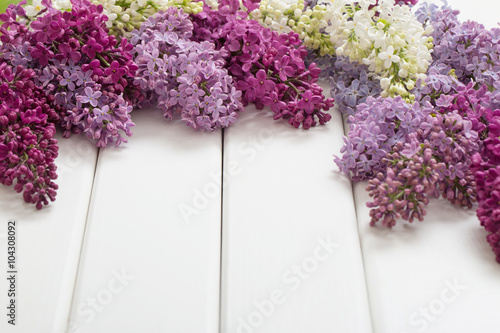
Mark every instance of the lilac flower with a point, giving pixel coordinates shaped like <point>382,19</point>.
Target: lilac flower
<point>42,53</point>
<point>274,102</point>
<point>283,69</point>
<point>102,114</point>
<point>90,96</point>
<point>91,48</point>
<point>83,78</point>
<point>115,71</point>
<point>477,67</point>
<point>46,76</point>
<point>68,80</point>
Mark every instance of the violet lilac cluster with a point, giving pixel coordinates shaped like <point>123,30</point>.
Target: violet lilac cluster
<point>184,76</point>
<point>471,50</point>
<point>375,128</point>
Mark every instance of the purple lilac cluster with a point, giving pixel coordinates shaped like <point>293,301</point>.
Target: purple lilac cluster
<point>184,76</point>
<point>79,65</point>
<point>268,67</point>
<point>27,145</point>
<point>472,51</point>
<point>375,128</point>
<point>440,80</point>
<point>486,168</point>
<point>434,161</point>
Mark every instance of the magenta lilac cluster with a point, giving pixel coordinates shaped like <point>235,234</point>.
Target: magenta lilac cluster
<point>267,67</point>
<point>486,168</point>
<point>184,77</point>
<point>78,64</point>
<point>27,145</point>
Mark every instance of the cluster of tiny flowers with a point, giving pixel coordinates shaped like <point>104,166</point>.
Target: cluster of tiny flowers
<point>386,38</point>
<point>268,67</point>
<point>351,83</point>
<point>486,168</point>
<point>123,15</point>
<point>80,67</point>
<point>375,128</point>
<point>472,51</point>
<point>306,19</point>
<point>435,161</point>
<point>126,15</point>
<point>27,145</point>
<point>184,76</point>
<point>440,80</point>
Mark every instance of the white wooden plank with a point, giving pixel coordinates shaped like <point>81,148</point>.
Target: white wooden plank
<point>48,243</point>
<point>283,202</point>
<point>147,267</point>
<point>438,275</point>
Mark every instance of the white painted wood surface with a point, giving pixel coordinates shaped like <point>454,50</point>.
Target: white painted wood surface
<point>151,255</point>
<point>48,243</point>
<point>283,202</point>
<point>145,267</point>
<point>434,276</point>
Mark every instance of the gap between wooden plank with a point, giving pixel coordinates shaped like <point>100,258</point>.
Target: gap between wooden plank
<point>221,231</point>
<point>82,242</point>
<point>345,126</point>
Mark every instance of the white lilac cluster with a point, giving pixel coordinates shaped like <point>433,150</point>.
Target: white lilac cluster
<point>385,37</point>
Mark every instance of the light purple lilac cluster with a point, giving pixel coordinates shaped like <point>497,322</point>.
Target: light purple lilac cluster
<point>472,51</point>
<point>184,76</point>
<point>27,145</point>
<point>375,128</point>
<point>81,68</point>
<point>268,67</point>
<point>486,168</point>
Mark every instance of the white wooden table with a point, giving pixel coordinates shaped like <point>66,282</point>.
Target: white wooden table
<point>250,230</point>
